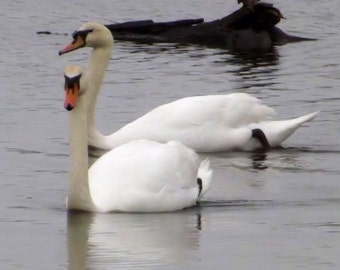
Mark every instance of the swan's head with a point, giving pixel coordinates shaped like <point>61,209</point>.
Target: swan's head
<point>90,34</point>
<point>72,74</point>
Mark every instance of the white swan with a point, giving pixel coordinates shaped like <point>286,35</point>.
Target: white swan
<point>211,123</point>
<point>140,176</point>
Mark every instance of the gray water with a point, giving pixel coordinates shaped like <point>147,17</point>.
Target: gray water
<point>278,210</point>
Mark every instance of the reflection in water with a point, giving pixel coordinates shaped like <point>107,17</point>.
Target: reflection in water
<point>258,160</point>
<point>250,72</point>
<point>99,241</point>
<point>255,58</point>
<point>255,69</point>
<point>78,224</point>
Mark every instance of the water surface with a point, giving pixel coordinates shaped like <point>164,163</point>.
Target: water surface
<point>274,210</point>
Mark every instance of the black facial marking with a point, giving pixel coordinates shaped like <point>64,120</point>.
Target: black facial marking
<point>70,83</point>
<point>81,33</point>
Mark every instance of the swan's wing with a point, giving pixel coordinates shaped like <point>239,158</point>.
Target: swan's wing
<point>240,109</point>
<point>195,115</point>
<point>161,176</point>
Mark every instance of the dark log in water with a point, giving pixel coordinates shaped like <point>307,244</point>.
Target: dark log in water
<point>250,27</point>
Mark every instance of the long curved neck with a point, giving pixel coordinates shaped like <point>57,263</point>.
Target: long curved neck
<point>79,196</point>
<point>98,63</point>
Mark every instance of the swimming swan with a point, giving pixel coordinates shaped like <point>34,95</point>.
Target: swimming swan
<point>139,176</point>
<point>210,123</point>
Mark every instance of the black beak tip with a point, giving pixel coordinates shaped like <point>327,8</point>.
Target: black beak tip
<point>69,107</point>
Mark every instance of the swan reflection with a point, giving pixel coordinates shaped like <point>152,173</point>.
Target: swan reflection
<point>102,241</point>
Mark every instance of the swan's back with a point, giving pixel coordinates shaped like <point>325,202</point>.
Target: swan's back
<point>161,176</point>
<point>204,123</point>
<point>232,110</point>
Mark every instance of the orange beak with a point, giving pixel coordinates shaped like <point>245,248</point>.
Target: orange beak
<point>71,92</point>
<point>77,43</point>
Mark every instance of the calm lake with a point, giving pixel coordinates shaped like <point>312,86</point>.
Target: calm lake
<point>274,210</point>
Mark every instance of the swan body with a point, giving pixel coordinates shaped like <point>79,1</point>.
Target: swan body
<point>140,176</point>
<point>152,177</point>
<point>207,124</point>
<point>210,123</point>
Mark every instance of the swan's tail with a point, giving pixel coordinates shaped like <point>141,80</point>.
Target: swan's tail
<point>278,131</point>
<point>205,174</point>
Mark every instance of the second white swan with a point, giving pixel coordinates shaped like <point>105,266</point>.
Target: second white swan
<point>211,123</point>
